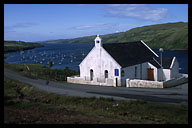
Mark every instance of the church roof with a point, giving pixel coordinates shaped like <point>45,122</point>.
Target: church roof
<point>166,62</point>
<point>132,53</point>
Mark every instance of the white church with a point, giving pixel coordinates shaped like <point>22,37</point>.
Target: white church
<point>113,64</point>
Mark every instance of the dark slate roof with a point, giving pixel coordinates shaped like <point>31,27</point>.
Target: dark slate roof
<point>155,63</point>
<point>166,62</point>
<point>132,53</point>
<point>129,53</point>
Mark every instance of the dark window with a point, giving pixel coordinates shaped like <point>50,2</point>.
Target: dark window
<point>97,41</point>
<point>116,72</point>
<point>122,73</point>
<point>106,74</point>
<point>91,74</point>
<point>135,72</point>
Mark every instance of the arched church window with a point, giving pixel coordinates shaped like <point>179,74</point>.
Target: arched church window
<point>106,74</point>
<point>91,74</point>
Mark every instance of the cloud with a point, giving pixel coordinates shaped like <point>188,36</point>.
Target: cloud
<point>84,27</point>
<point>93,26</point>
<point>139,11</point>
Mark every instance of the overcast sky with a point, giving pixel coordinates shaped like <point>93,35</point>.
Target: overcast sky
<point>40,22</point>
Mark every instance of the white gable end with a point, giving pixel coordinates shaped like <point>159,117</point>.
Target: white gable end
<point>98,60</point>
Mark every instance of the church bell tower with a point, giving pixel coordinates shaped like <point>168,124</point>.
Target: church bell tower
<point>98,42</point>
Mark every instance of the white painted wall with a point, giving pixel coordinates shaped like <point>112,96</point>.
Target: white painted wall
<point>171,73</point>
<point>141,72</point>
<point>166,74</point>
<point>129,73</point>
<point>175,69</point>
<point>99,60</point>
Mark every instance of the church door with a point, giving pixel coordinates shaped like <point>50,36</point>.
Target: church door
<point>91,74</point>
<point>150,74</point>
<point>116,82</point>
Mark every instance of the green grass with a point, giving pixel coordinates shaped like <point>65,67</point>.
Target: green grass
<point>41,71</point>
<point>21,96</point>
<point>170,36</point>
<point>18,95</point>
<point>12,46</point>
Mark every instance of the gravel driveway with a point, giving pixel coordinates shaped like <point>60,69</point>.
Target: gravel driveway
<point>176,95</point>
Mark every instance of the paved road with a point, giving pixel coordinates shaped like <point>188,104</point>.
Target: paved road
<point>176,95</point>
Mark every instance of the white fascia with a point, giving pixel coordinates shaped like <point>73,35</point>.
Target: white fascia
<point>149,48</point>
<point>172,62</point>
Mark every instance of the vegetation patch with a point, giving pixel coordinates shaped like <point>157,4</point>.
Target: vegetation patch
<point>170,36</point>
<point>40,71</point>
<point>13,46</point>
<point>26,104</point>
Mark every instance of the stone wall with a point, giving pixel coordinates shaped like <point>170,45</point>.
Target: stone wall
<point>143,84</point>
<point>133,83</point>
<point>79,80</point>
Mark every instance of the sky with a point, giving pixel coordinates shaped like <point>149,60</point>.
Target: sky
<point>41,22</point>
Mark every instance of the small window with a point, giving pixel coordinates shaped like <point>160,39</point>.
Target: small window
<point>106,74</point>
<point>122,73</point>
<point>135,72</point>
<point>97,41</point>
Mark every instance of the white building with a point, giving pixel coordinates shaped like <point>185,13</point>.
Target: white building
<point>112,64</point>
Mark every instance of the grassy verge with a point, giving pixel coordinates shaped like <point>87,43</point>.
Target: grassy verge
<point>41,71</point>
<point>22,106</point>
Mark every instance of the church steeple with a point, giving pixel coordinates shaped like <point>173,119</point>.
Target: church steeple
<point>98,42</point>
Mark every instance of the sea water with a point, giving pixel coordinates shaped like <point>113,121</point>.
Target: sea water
<point>71,55</point>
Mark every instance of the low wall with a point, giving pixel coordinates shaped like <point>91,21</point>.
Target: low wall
<point>175,82</point>
<point>143,84</point>
<point>79,80</point>
<point>134,83</point>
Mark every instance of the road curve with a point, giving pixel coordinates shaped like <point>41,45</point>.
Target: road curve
<point>176,95</point>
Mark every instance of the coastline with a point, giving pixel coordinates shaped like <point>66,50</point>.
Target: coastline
<point>23,49</point>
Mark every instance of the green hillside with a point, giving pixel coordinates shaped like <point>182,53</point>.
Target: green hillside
<point>173,36</point>
<point>12,46</point>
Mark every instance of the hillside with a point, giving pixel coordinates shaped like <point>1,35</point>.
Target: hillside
<point>12,46</point>
<point>172,36</point>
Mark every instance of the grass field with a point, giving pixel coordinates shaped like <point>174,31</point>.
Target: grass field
<point>169,36</point>
<point>41,71</point>
<point>26,104</point>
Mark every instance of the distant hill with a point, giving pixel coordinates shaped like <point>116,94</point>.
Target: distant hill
<point>12,46</point>
<point>172,36</point>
